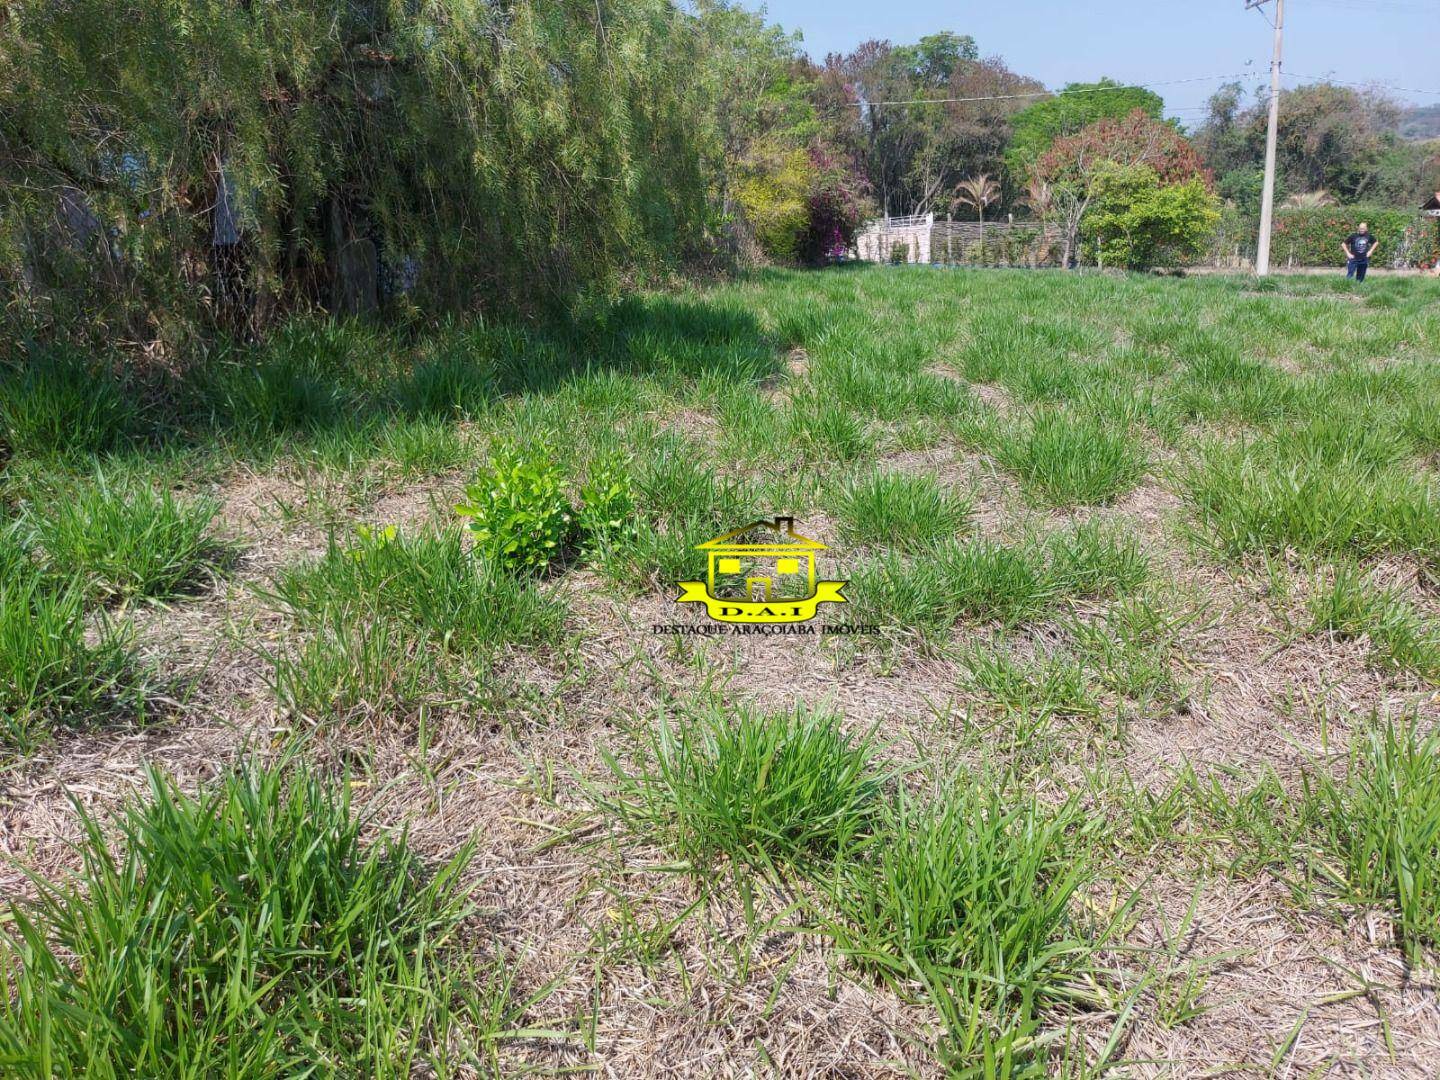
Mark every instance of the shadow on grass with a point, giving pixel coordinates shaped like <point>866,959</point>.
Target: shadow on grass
<point>317,378</point>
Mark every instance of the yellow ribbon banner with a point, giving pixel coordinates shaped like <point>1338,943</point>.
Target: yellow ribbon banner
<point>762,611</point>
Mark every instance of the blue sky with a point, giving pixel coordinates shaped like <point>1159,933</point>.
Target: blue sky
<point>1394,42</point>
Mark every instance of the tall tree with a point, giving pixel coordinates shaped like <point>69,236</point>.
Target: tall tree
<point>1078,105</point>
<point>1334,138</point>
<point>914,154</point>
<point>1075,166</point>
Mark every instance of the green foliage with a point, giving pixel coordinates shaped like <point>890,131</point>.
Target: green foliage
<point>1254,497</point>
<point>982,581</point>
<point>1068,459</point>
<point>1312,237</point>
<point>244,931</point>
<point>1136,222</point>
<point>1036,127</point>
<point>969,892</point>
<point>1331,138</point>
<point>1400,636</point>
<point>518,510</point>
<point>352,150</point>
<point>774,195</point>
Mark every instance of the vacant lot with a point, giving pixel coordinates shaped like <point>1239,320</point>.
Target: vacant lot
<point>301,764</point>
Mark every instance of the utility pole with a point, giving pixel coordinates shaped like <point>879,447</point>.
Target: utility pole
<point>1267,191</point>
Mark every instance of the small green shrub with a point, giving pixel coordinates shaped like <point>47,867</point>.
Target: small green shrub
<point>126,540</point>
<point>244,931</point>
<point>518,511</point>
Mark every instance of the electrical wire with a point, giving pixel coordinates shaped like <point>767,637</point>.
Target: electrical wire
<point>1051,93</point>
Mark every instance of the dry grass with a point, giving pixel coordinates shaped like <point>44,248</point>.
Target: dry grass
<point>642,968</point>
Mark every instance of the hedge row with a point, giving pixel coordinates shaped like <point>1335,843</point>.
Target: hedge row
<point>1312,237</point>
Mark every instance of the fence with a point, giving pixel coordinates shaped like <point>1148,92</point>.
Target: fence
<point>921,238</point>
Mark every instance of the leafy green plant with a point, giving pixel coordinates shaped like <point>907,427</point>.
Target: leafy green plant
<point>607,514</point>
<point>518,510</point>
<point>244,931</point>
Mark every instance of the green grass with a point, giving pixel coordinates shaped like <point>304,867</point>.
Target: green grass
<point>1040,685</point>
<point>982,580</point>
<point>426,582</point>
<point>1065,460</point>
<point>245,931</point>
<point>1400,636</point>
<point>124,540</point>
<point>1256,497</point>
<point>899,511</point>
<point>1379,821</point>
<point>61,403</point>
<point>52,672</point>
<point>768,790</point>
<point>396,620</point>
<point>1364,829</point>
<point>970,894</point>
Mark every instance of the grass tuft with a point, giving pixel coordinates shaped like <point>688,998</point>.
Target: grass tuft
<point>52,671</point>
<point>897,510</point>
<point>244,931</point>
<point>127,540</point>
<point>1067,460</point>
<point>761,789</point>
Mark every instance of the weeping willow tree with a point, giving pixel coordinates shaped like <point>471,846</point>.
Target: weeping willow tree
<point>168,166</point>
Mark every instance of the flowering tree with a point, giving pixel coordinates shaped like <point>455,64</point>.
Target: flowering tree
<point>1073,165</point>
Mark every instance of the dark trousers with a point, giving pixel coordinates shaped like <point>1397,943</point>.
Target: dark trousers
<point>1356,268</point>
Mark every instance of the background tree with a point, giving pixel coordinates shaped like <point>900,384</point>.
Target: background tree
<point>1074,164</point>
<point>1336,138</point>
<point>1037,126</point>
<point>913,155</point>
<point>977,192</point>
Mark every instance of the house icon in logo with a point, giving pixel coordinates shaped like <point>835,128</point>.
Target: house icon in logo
<point>761,572</point>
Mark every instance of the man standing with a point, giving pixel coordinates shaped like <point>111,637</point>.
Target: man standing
<point>1358,248</point>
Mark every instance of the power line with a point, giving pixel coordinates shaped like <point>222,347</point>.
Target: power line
<point>1363,85</point>
<point>1050,93</point>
